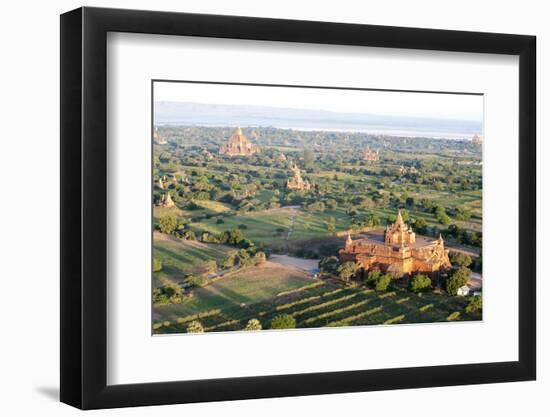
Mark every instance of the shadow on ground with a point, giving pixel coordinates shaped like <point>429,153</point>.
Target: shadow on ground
<point>50,392</point>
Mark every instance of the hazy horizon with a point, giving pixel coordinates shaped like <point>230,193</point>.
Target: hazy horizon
<point>217,115</point>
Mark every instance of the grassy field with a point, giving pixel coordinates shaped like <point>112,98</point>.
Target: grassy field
<point>180,257</point>
<point>265,292</point>
<point>238,291</point>
<point>273,228</point>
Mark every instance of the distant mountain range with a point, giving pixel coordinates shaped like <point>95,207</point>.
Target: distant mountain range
<point>199,114</point>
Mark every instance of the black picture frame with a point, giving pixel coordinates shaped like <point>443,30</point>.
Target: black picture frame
<point>84,207</point>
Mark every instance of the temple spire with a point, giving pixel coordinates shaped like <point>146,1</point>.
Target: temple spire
<point>399,220</point>
<point>349,242</point>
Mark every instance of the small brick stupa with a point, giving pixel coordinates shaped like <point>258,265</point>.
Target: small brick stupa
<point>166,201</point>
<point>476,140</point>
<point>297,182</point>
<point>370,155</point>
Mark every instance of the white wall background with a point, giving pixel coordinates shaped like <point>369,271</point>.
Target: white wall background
<point>29,160</point>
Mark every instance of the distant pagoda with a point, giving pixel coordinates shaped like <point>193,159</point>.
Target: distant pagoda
<point>297,182</point>
<point>158,138</point>
<point>404,170</point>
<point>238,145</point>
<point>370,155</point>
<point>477,140</point>
<point>166,201</point>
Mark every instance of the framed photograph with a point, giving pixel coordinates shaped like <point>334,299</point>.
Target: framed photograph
<point>257,208</point>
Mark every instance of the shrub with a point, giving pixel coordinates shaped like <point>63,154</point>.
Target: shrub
<point>372,276</point>
<point>229,261</point>
<point>454,316</point>
<point>197,280</point>
<point>168,223</point>
<point>317,207</point>
<point>189,235</point>
<point>253,324</point>
<point>459,278</point>
<point>383,282</point>
<point>328,264</point>
<point>243,257</point>
<point>195,327</point>
<point>169,293</point>
<point>474,305</point>
<point>347,270</point>
<point>283,321</point>
<point>219,221</point>
<point>421,283</point>
<point>460,259</point>
<point>420,226</point>
<point>259,258</point>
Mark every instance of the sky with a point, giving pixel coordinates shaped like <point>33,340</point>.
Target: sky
<point>403,104</point>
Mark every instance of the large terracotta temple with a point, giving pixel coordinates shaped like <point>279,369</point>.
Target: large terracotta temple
<point>238,145</point>
<point>397,250</point>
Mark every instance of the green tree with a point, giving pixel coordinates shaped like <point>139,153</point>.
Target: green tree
<point>474,305</point>
<point>441,215</point>
<point>197,280</point>
<point>372,276</point>
<point>460,259</point>
<point>243,258</point>
<point>372,220</point>
<point>168,223</point>
<point>259,258</point>
<point>253,324</point>
<point>421,283</point>
<point>328,264</point>
<point>458,279</point>
<point>229,261</point>
<point>383,282</point>
<point>347,270</point>
<point>454,316</point>
<point>195,327</point>
<point>317,207</point>
<point>189,235</point>
<point>283,321</point>
<point>420,226</point>
<point>331,204</point>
